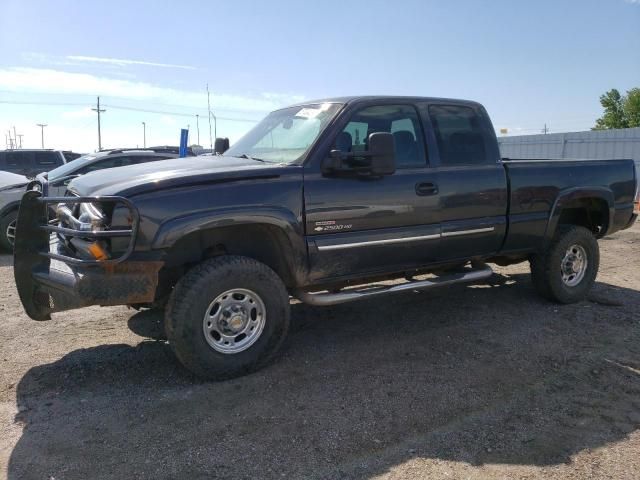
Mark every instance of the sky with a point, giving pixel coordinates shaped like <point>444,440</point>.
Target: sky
<point>530,63</point>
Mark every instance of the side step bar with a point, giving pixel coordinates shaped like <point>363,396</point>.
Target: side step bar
<point>359,293</point>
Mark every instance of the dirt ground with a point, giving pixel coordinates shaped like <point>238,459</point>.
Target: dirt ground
<point>481,381</point>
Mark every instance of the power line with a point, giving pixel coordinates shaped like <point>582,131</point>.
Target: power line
<point>177,114</point>
<point>51,104</point>
<point>133,109</point>
<point>114,97</point>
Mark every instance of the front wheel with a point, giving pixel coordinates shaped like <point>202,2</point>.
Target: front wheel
<point>566,270</point>
<point>227,317</point>
<point>8,230</point>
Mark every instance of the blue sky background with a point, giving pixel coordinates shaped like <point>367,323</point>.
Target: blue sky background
<point>527,62</point>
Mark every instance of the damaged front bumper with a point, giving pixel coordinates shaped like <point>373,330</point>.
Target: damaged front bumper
<point>50,277</point>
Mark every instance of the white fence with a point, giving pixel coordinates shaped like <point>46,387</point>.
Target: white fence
<point>597,144</point>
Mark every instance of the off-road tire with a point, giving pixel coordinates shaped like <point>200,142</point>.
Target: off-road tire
<point>191,298</point>
<point>5,221</point>
<point>546,272</point>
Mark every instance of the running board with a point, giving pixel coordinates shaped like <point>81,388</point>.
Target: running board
<point>323,299</point>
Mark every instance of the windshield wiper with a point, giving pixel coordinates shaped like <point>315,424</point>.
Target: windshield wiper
<point>244,155</point>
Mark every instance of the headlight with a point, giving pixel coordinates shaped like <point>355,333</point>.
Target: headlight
<point>91,216</point>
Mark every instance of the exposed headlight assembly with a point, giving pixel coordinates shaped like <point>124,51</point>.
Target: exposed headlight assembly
<point>91,218</point>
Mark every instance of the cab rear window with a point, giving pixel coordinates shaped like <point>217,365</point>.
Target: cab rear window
<point>459,133</point>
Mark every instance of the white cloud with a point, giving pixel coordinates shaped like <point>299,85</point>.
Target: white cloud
<point>633,2</point>
<point>83,113</point>
<point>168,120</point>
<point>49,81</point>
<point>122,62</point>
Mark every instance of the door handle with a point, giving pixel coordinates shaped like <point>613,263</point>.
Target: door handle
<point>426,188</point>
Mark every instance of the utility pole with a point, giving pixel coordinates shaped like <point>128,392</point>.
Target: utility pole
<point>209,108</point>
<point>15,138</point>
<point>198,127</point>
<point>42,125</point>
<point>144,134</point>
<point>20,135</point>
<point>545,130</point>
<point>97,109</point>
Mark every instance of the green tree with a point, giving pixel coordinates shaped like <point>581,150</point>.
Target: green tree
<point>632,107</point>
<point>619,111</point>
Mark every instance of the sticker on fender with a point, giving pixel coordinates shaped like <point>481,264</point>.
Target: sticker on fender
<point>330,226</point>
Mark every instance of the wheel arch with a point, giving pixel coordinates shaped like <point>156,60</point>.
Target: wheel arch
<point>273,239</point>
<point>10,207</point>
<point>589,207</point>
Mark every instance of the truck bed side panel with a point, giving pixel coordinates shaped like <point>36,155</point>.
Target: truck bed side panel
<point>536,185</point>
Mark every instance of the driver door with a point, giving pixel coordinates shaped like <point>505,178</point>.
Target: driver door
<point>359,225</point>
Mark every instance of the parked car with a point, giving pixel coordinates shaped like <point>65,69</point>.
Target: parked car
<point>12,187</point>
<point>317,201</point>
<point>32,162</point>
<point>59,178</point>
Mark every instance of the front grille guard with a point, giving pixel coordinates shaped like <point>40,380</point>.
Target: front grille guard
<point>34,199</point>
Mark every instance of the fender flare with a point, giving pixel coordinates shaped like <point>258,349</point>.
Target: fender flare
<point>283,219</point>
<point>569,195</point>
<point>15,205</point>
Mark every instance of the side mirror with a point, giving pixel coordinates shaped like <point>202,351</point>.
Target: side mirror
<point>64,181</point>
<point>380,158</point>
<point>221,145</point>
<point>382,149</point>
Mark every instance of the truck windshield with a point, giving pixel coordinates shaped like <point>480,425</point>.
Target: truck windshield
<point>285,135</point>
<point>72,167</point>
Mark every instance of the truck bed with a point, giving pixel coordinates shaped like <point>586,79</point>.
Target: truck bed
<point>536,187</point>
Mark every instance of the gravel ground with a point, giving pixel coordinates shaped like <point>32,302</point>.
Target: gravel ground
<point>478,382</point>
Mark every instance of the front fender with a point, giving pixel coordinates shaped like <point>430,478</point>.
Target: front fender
<point>566,197</point>
<point>284,220</point>
<point>173,230</point>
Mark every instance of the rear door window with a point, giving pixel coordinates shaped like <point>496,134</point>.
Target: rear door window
<point>459,134</point>
<point>47,160</point>
<point>70,156</point>
<point>101,165</point>
<point>19,162</point>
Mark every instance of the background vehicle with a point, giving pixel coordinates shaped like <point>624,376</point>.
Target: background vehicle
<point>318,201</point>
<point>32,162</point>
<point>59,178</point>
<point>12,187</point>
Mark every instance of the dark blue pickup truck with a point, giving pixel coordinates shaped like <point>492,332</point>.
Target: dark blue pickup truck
<point>327,202</point>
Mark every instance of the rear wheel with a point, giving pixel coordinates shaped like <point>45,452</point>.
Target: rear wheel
<point>567,269</point>
<point>227,317</point>
<point>8,230</point>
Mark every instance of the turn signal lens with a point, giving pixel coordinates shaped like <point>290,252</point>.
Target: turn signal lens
<point>98,252</point>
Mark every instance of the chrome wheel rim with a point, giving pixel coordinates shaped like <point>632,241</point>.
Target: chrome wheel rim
<point>574,265</point>
<point>234,320</point>
<point>11,231</point>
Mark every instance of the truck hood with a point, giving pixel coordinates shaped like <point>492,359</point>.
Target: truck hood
<point>8,179</point>
<point>176,172</point>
